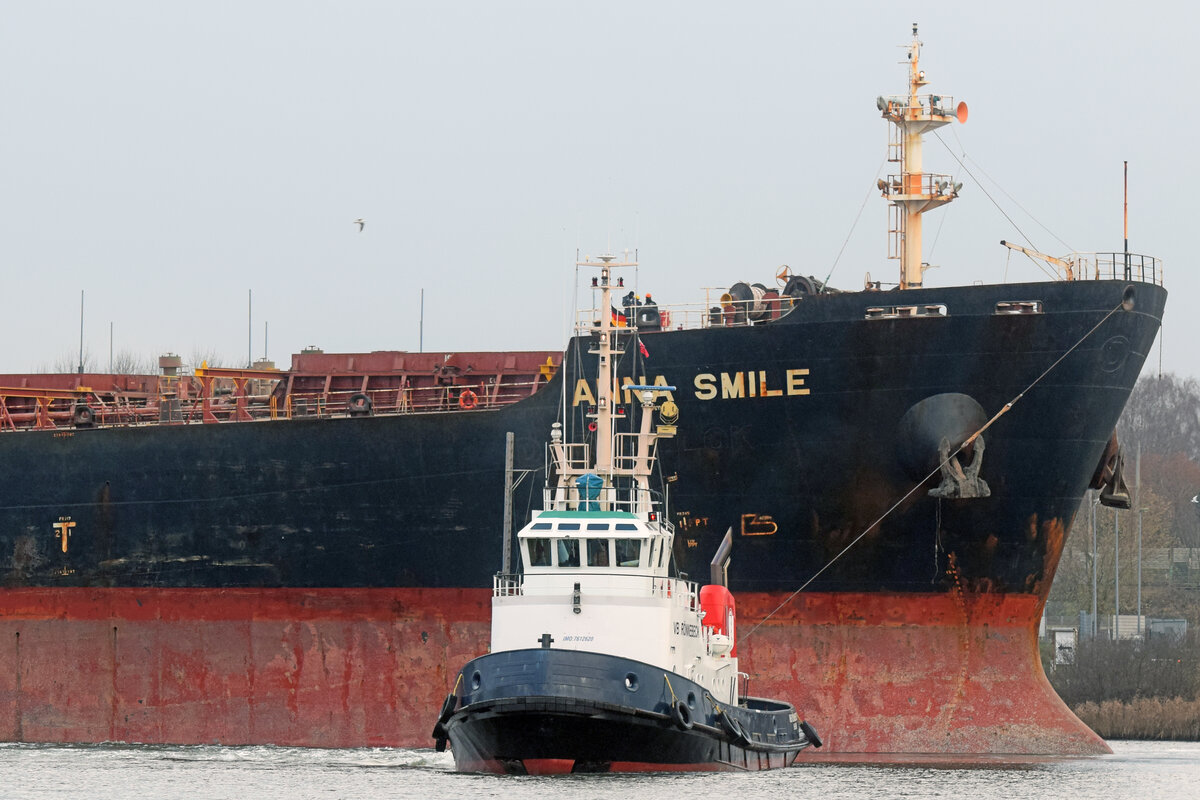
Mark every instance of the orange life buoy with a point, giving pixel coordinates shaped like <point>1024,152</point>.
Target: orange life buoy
<point>468,400</point>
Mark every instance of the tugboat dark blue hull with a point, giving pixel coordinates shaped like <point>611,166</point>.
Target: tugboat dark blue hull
<point>558,711</point>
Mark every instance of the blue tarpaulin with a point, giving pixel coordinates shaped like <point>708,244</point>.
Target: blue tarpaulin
<point>589,491</point>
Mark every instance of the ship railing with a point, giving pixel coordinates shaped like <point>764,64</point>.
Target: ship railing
<point>930,184</point>
<point>627,460</point>
<point>569,497</point>
<point>681,592</point>
<point>576,457</point>
<point>1118,266</point>
<point>715,312</point>
<point>507,584</point>
<point>24,409</point>
<point>936,105</point>
<point>485,394</point>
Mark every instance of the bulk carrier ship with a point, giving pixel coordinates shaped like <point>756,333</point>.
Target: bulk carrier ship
<point>255,556</point>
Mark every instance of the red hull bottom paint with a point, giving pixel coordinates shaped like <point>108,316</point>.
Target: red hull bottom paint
<point>370,667</point>
<point>912,673</point>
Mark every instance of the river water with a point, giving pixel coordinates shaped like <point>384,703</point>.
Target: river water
<point>1152,770</point>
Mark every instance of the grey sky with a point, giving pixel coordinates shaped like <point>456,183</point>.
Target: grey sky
<point>167,157</point>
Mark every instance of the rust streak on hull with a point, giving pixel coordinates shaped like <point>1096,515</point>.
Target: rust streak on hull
<point>370,667</point>
<point>932,673</point>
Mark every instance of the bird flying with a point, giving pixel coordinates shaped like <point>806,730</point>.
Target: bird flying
<point>360,223</point>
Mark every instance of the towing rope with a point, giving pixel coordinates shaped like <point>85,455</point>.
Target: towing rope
<point>935,471</point>
<point>670,688</point>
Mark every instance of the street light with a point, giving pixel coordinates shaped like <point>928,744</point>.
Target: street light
<point>1095,565</point>
<point>1117,575</point>
<point>1139,604</point>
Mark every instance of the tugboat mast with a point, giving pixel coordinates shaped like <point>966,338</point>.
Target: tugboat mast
<point>913,192</point>
<point>604,348</point>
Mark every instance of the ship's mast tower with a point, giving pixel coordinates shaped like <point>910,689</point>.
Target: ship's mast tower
<point>605,347</point>
<point>913,192</point>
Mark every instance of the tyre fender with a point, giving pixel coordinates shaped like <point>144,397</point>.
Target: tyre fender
<point>682,716</point>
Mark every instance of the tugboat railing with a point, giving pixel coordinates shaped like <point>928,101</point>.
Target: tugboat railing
<point>680,591</point>
<point>607,498</point>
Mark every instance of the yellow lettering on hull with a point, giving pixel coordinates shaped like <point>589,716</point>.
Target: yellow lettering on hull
<point>584,393</point>
<point>740,385</point>
<point>758,525</point>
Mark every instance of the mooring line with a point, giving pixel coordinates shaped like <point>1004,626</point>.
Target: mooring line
<point>935,471</point>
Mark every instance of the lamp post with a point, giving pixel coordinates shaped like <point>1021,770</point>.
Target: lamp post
<point>1116,574</point>
<point>1137,485</point>
<point>1095,565</point>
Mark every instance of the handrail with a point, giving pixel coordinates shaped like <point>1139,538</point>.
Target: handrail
<point>1119,266</point>
<point>682,592</point>
<point>32,408</point>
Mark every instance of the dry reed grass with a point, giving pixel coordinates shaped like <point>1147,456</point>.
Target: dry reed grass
<point>1143,718</point>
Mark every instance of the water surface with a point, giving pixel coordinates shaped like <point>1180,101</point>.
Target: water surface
<point>1165,770</point>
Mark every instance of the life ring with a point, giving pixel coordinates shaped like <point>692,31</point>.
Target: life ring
<point>810,733</point>
<point>468,400</point>
<point>83,416</point>
<point>359,404</point>
<point>682,716</point>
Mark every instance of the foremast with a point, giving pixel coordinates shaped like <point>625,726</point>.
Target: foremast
<point>913,191</point>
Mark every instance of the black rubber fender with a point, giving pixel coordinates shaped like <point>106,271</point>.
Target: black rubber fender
<point>810,733</point>
<point>448,706</point>
<point>732,728</point>
<point>682,716</point>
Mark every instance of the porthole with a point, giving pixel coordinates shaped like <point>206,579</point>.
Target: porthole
<point>631,682</point>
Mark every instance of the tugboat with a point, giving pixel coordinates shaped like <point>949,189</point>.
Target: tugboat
<point>601,660</point>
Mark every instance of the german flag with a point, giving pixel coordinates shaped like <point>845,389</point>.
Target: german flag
<point>619,320</point>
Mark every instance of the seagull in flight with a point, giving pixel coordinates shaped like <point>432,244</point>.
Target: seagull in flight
<point>360,223</point>
<point>1196,499</point>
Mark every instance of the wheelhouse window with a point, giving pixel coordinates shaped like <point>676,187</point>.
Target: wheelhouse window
<point>597,526</point>
<point>568,552</point>
<point>539,552</point>
<point>542,526</point>
<point>629,552</point>
<point>568,526</point>
<point>597,552</point>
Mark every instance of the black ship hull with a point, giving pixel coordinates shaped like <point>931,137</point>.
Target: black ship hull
<point>798,434</point>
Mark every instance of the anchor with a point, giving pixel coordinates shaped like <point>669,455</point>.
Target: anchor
<point>958,482</point>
